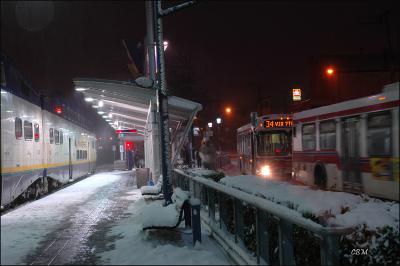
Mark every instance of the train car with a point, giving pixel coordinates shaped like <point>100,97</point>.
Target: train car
<point>272,145</point>
<point>351,146</point>
<point>40,150</point>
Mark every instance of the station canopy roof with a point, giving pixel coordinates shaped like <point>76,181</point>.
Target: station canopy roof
<point>125,105</point>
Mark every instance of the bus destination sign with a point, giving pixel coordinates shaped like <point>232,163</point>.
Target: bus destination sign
<point>278,123</point>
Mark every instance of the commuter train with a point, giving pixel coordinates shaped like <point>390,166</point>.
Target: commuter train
<point>43,145</point>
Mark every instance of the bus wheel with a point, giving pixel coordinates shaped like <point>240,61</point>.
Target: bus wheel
<point>320,176</point>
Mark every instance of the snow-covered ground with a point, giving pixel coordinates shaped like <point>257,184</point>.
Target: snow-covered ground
<point>24,228</point>
<point>158,247</point>
<point>80,213</point>
<point>340,208</point>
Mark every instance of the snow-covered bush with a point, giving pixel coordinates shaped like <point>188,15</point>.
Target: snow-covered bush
<point>374,247</point>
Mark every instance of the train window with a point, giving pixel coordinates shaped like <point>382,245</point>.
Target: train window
<point>85,153</point>
<point>77,154</point>
<point>327,135</point>
<point>308,137</point>
<point>28,132</point>
<point>92,144</point>
<point>51,135</point>
<point>379,135</point>
<point>18,128</point>
<point>56,136</point>
<point>3,76</point>
<point>61,137</point>
<point>36,132</point>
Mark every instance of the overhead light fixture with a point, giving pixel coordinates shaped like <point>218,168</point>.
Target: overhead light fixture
<point>108,120</point>
<point>95,106</point>
<point>101,103</point>
<point>110,115</point>
<point>100,112</point>
<point>80,89</point>
<point>104,116</point>
<point>88,99</point>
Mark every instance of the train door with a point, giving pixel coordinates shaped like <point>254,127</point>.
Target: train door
<point>69,158</point>
<point>88,155</point>
<point>350,158</point>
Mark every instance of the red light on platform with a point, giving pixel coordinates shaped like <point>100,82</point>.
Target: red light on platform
<point>129,145</point>
<point>58,110</point>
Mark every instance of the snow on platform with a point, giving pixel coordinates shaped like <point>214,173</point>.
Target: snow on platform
<point>339,208</point>
<point>83,215</point>
<point>24,228</point>
<point>158,247</point>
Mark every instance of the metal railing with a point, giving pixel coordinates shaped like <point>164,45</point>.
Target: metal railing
<point>272,226</point>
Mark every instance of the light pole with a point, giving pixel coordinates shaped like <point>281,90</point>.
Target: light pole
<point>219,120</point>
<point>155,34</point>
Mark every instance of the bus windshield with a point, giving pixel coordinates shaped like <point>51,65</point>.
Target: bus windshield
<point>273,143</point>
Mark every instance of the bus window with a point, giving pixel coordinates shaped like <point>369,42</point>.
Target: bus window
<point>51,135</point>
<point>18,128</point>
<point>36,132</point>
<point>273,143</point>
<point>327,135</point>
<point>28,133</point>
<point>379,136</point>
<point>57,136</point>
<point>308,137</point>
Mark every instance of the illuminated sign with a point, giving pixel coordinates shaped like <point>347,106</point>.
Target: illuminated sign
<point>278,123</point>
<point>296,93</point>
<point>120,131</point>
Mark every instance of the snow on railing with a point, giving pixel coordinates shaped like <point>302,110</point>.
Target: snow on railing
<point>214,194</point>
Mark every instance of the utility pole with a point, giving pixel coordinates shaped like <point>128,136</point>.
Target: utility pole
<point>155,27</point>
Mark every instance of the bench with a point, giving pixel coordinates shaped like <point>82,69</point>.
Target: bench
<point>157,216</point>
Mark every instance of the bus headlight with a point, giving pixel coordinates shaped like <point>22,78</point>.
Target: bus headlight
<point>265,170</point>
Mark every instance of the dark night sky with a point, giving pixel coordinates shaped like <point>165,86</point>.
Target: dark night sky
<point>233,52</point>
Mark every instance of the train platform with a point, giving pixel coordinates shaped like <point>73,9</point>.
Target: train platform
<point>97,221</point>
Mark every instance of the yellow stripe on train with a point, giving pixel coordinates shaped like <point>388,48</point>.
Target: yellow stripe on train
<point>24,168</point>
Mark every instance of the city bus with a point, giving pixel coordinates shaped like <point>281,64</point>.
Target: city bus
<point>272,145</point>
<point>350,146</point>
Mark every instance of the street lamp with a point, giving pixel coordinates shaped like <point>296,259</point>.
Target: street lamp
<point>210,125</point>
<point>330,71</point>
<point>219,120</point>
<point>228,110</point>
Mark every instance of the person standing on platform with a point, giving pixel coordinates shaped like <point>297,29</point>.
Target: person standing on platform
<point>208,154</point>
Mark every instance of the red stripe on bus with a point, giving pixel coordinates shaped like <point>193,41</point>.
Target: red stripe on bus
<point>363,109</point>
<point>304,157</point>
